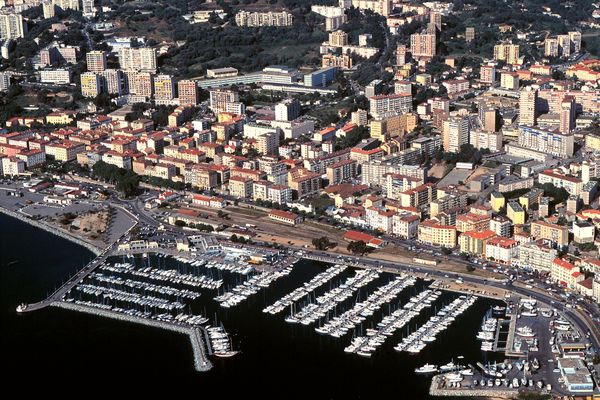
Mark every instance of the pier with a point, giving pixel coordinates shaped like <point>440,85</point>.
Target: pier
<point>438,388</point>
<point>497,343</point>
<point>59,294</point>
<point>200,348</point>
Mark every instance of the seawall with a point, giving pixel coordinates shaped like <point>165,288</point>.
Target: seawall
<point>52,229</point>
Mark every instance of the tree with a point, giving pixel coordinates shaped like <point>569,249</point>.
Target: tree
<point>358,247</point>
<point>321,243</point>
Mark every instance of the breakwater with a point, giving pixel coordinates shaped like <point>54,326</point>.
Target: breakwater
<point>199,347</point>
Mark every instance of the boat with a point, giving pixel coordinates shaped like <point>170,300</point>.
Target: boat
<point>454,377</point>
<point>525,331</point>
<point>426,369</point>
<point>448,367</point>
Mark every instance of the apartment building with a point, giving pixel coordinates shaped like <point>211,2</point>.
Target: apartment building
<point>474,242</point>
<point>434,234</point>
<point>383,105</point>
<point>570,184</point>
<point>555,233</point>
<point>341,171</point>
<point>502,250</point>
<point>258,19</point>
<point>565,273</point>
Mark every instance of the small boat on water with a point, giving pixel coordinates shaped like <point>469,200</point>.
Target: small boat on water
<point>426,369</point>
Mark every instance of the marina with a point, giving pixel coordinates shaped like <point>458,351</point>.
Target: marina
<point>366,345</point>
<point>111,291</point>
<point>308,287</point>
<point>250,287</point>
<point>340,325</point>
<point>327,302</point>
<point>418,340</point>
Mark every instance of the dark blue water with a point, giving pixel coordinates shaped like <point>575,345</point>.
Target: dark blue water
<point>277,359</point>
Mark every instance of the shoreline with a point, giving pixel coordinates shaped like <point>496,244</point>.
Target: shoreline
<point>52,229</point>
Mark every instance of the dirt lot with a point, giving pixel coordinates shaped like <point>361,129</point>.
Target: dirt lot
<point>301,235</point>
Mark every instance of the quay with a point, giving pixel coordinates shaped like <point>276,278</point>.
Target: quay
<point>200,348</point>
<point>438,389</point>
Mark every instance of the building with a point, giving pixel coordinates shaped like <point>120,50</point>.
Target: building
<point>113,81</point>
<point>584,232</point>
<point>530,198</point>
<point>383,105</point>
<point>501,225</point>
<point>515,213</point>
<point>140,83</point>
<point>268,143</point>
<point>455,133</point>
<point>497,201</point>
<point>502,250</point>
<point>56,76</point>
<point>472,222</point>
<point>335,22</point>
<point>91,84</point>
<point>527,107</point>
<point>141,59</point>
<point>487,74</point>
<point>571,184</point>
<point>258,19</point>
<point>96,61</point>
<point>187,92</point>
<point>567,115</point>
<point>509,81</point>
<point>12,26</point>
<point>405,226</point>
<point>220,99</point>
<point>164,87</point>
<point>400,55</point>
<point>304,182</point>
<point>507,52</point>
<point>435,234</point>
<point>551,48</point>
<point>537,256</point>
<point>240,187</point>
<point>550,142</point>
<point>338,38</point>
<point>423,44</point>
<point>575,375</point>
<point>555,233</point>
<point>342,61</point>
<point>321,77</point>
<point>565,273</point>
<point>285,217</point>
<point>341,171</point>
<point>64,150</point>
<point>469,34</point>
<point>4,82</point>
<point>456,87</point>
<point>287,110</point>
<point>473,242</point>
